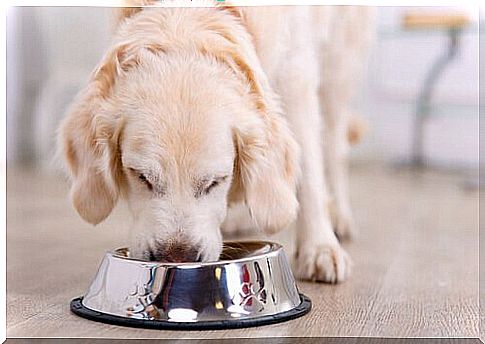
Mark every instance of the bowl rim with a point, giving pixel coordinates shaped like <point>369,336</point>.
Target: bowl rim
<point>77,307</point>
<point>275,249</point>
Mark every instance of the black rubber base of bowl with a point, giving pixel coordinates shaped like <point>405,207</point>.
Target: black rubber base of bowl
<point>79,309</point>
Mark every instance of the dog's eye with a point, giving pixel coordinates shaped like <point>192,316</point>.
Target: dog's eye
<point>206,188</point>
<point>212,185</point>
<point>145,181</point>
<point>142,178</point>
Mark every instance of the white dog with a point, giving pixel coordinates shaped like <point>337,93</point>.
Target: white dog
<point>191,110</point>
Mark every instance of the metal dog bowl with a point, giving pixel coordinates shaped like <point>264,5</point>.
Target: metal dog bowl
<point>250,285</point>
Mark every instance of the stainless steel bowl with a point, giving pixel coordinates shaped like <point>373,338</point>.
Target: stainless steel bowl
<point>252,284</point>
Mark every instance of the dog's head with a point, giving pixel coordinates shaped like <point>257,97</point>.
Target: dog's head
<point>179,136</point>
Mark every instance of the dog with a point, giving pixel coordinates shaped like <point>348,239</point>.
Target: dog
<point>194,110</point>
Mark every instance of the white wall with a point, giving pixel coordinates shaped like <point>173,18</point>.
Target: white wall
<point>50,53</point>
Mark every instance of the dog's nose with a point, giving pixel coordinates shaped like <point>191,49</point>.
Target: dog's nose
<point>178,252</point>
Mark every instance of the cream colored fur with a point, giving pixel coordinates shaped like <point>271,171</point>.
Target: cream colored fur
<point>192,110</point>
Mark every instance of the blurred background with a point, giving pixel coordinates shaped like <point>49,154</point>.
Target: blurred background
<point>413,181</point>
<point>52,50</point>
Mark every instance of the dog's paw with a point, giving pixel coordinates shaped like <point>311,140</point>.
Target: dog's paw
<point>323,263</point>
<point>343,222</point>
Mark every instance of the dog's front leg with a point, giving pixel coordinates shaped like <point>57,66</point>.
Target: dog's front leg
<point>319,256</point>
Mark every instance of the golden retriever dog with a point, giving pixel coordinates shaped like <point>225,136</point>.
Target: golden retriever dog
<point>193,110</point>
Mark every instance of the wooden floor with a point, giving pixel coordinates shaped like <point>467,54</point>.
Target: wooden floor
<point>416,262</point>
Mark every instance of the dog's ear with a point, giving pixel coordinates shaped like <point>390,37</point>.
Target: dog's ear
<point>88,139</point>
<point>267,155</point>
<point>266,170</point>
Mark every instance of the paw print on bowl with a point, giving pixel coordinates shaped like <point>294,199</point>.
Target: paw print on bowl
<point>252,291</point>
<point>143,298</point>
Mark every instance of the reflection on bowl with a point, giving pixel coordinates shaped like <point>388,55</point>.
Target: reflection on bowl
<point>251,282</point>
